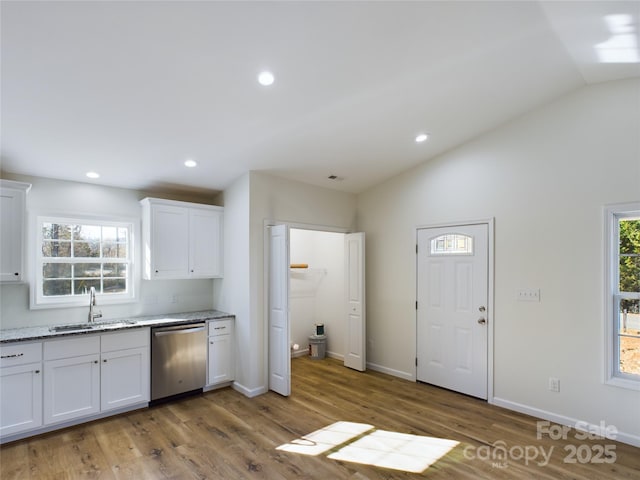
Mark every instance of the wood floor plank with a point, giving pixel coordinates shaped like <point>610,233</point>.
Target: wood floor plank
<point>223,435</point>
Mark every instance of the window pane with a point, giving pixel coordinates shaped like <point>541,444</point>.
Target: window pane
<point>114,250</point>
<point>114,234</point>
<point>629,316</point>
<point>86,249</point>
<point>56,249</point>
<point>115,285</point>
<point>56,287</point>
<point>56,270</point>
<point>123,235</point>
<point>115,270</point>
<point>630,355</point>
<point>86,270</point>
<point>629,335</point>
<point>56,231</point>
<point>82,286</point>
<point>629,273</point>
<point>629,231</point>
<point>87,232</point>
<point>452,244</point>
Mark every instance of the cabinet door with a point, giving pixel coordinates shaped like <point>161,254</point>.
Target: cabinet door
<point>124,378</point>
<point>220,359</point>
<point>205,243</point>
<point>169,245</point>
<point>71,388</point>
<point>20,398</point>
<point>12,209</point>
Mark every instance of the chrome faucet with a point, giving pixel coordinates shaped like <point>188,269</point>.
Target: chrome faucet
<point>92,302</point>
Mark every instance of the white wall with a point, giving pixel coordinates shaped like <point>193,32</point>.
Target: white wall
<point>83,198</point>
<point>545,179</point>
<point>317,293</point>
<point>231,293</point>
<point>274,198</point>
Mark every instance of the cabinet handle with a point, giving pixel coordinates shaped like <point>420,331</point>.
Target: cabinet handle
<point>37,371</point>
<point>15,355</point>
<point>156,271</point>
<point>17,274</point>
<point>219,328</point>
<point>95,361</point>
<point>104,361</point>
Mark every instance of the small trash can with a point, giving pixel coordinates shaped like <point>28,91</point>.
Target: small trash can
<point>317,346</point>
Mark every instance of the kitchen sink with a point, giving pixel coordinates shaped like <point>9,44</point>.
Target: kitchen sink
<point>77,327</point>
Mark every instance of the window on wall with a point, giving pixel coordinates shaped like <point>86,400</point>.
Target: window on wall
<point>623,295</point>
<point>74,255</point>
<point>452,244</point>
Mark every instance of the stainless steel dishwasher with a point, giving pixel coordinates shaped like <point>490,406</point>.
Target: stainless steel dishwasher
<point>178,359</point>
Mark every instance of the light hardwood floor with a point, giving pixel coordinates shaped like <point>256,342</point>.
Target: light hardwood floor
<point>223,434</point>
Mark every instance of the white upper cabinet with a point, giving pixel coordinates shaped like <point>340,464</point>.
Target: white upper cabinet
<point>181,240</point>
<point>12,225</point>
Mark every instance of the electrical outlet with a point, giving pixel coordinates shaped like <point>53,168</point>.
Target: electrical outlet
<point>554,384</point>
<point>529,295</point>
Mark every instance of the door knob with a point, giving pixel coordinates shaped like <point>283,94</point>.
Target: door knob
<point>482,321</point>
<point>482,308</point>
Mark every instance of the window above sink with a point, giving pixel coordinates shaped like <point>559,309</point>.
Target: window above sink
<point>73,254</point>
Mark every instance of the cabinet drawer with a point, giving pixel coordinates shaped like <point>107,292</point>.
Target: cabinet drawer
<point>134,338</point>
<point>72,347</point>
<point>220,327</point>
<point>20,353</point>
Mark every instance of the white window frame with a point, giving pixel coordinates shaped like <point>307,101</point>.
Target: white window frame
<point>612,215</point>
<point>39,301</point>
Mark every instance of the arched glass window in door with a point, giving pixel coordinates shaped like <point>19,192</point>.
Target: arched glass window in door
<point>452,244</point>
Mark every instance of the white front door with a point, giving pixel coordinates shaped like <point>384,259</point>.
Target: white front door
<point>452,295</point>
<point>355,354</point>
<point>279,351</point>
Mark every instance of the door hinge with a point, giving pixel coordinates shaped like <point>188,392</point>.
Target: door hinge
<point>416,361</point>
<point>416,304</point>
<point>416,248</point>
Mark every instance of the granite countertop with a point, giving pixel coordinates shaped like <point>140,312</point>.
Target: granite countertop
<point>42,332</point>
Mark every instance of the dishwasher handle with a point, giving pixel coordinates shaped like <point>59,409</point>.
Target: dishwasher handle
<point>161,333</point>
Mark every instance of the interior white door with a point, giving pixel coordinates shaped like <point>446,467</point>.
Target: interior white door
<point>452,294</point>
<point>355,342</point>
<point>279,353</point>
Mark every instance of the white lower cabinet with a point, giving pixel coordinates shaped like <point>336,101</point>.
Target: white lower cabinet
<point>20,388</point>
<point>91,374</point>
<point>221,366</point>
<point>124,374</point>
<point>71,388</point>
<point>71,378</point>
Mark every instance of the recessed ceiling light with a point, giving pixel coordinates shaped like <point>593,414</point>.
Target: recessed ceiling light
<point>93,175</point>
<point>421,137</point>
<point>190,163</point>
<point>266,78</point>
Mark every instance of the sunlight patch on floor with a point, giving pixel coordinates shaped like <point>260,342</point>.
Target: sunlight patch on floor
<point>398,451</point>
<point>362,443</point>
<point>326,438</point>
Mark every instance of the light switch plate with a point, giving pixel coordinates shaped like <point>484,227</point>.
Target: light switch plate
<point>529,295</point>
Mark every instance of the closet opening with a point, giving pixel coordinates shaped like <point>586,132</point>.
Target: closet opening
<point>316,291</point>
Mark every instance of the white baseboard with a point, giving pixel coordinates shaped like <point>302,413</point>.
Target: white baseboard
<point>335,355</point>
<point>249,392</point>
<point>623,437</point>
<point>391,371</point>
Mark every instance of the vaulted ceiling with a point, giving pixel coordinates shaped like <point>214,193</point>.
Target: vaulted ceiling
<point>131,89</point>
